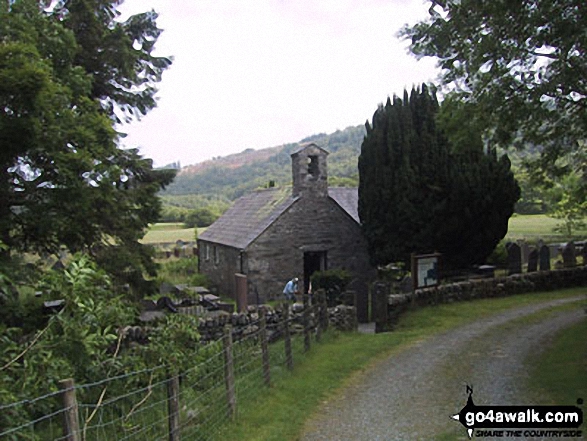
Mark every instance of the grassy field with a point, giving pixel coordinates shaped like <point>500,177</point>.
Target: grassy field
<point>341,358</point>
<point>530,227</point>
<point>169,232</point>
<point>536,226</point>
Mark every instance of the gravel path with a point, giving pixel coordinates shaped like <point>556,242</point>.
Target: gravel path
<point>411,395</point>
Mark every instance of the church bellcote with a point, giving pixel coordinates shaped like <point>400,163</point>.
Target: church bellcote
<point>309,171</point>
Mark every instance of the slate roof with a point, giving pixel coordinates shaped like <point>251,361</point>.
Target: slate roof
<point>348,199</point>
<point>253,213</point>
<point>248,217</point>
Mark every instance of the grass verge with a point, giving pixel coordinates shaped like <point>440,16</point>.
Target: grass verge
<point>558,375</point>
<point>337,361</point>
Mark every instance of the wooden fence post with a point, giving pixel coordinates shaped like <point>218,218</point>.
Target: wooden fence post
<point>317,318</point>
<point>173,407</point>
<point>229,373</point>
<point>287,337</point>
<point>264,347</point>
<point>306,320</point>
<point>71,415</point>
<point>323,310</point>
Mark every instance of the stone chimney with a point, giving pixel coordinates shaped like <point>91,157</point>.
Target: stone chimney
<point>310,178</point>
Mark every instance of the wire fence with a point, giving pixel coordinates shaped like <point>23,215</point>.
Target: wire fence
<point>159,403</point>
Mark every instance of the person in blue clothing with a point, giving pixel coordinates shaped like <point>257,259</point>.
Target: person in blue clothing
<point>291,289</point>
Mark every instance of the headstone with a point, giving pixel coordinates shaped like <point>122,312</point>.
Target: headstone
<point>555,250</point>
<point>533,260</point>
<point>544,258</point>
<point>524,250</point>
<point>514,258</point>
<point>569,255</point>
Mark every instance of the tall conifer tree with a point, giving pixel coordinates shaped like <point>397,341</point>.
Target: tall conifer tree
<point>418,195</point>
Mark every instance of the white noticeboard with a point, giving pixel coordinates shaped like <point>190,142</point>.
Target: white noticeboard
<point>427,272</point>
<point>425,268</point>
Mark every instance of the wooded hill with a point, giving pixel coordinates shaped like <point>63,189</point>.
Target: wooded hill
<point>222,180</point>
<point>214,184</point>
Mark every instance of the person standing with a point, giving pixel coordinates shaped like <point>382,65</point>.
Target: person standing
<point>291,289</point>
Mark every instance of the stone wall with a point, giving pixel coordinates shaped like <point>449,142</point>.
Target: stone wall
<point>220,263</point>
<point>486,288</point>
<point>342,318</point>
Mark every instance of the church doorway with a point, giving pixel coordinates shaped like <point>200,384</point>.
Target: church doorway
<point>313,261</point>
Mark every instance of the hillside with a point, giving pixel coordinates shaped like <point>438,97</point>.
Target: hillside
<point>227,178</point>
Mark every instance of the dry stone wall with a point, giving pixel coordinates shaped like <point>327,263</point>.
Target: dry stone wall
<point>486,288</point>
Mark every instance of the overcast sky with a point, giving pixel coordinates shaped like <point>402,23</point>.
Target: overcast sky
<point>261,73</point>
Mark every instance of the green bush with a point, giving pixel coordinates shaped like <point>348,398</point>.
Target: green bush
<point>499,256</point>
<point>333,282</point>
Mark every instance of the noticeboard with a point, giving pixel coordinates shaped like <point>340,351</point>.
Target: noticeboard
<point>425,270</point>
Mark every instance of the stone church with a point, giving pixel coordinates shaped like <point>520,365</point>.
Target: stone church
<point>272,235</point>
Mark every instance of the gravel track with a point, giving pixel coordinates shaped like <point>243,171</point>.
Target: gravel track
<point>411,395</point>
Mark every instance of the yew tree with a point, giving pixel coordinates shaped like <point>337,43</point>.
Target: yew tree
<point>521,68</point>
<point>420,192</point>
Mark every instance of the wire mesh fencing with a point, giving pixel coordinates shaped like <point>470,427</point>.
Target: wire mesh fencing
<point>160,403</point>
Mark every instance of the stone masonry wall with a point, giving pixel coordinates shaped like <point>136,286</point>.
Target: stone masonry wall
<point>486,288</point>
<point>220,263</point>
<point>311,224</point>
<point>211,328</point>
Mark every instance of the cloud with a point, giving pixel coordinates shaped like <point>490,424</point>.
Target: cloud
<point>262,73</point>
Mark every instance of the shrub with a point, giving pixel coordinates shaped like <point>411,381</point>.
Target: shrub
<point>333,282</point>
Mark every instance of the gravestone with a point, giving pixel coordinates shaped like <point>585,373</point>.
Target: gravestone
<point>544,258</point>
<point>524,250</point>
<point>569,255</point>
<point>533,260</point>
<point>514,258</point>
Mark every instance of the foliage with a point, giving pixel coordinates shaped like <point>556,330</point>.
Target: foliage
<point>499,256</point>
<point>65,182</point>
<point>117,55</point>
<point>182,270</point>
<point>520,67</point>
<point>85,339</point>
<point>568,204</point>
<point>418,193</point>
<point>200,217</point>
<point>333,282</point>
<point>174,342</point>
<point>519,63</point>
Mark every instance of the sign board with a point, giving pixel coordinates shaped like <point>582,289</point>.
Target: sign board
<point>425,270</point>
